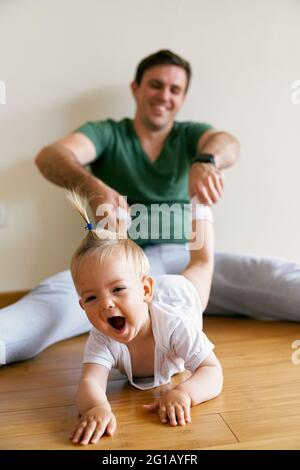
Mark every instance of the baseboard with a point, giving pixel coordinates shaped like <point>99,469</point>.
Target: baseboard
<point>7,298</point>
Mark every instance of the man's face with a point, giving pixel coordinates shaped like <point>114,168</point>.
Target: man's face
<point>160,95</point>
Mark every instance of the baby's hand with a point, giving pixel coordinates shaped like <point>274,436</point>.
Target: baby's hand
<point>173,406</point>
<point>93,424</point>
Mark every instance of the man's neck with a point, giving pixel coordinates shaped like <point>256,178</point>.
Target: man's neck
<point>152,141</point>
<point>147,134</point>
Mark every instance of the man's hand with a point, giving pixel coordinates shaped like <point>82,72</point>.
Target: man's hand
<point>206,182</point>
<point>93,424</point>
<point>174,406</point>
<point>104,201</point>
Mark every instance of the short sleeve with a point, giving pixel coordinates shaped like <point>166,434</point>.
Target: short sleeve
<point>190,344</point>
<point>100,133</point>
<point>97,350</point>
<point>194,132</point>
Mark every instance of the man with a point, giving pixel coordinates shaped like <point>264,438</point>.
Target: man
<point>150,159</point>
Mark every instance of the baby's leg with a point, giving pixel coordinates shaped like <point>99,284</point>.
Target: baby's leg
<point>48,314</point>
<point>200,268</point>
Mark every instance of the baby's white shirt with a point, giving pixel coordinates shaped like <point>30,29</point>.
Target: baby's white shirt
<point>176,318</point>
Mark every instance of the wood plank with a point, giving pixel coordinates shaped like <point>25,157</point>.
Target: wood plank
<point>8,298</point>
<point>36,380</point>
<point>257,387</point>
<point>120,394</point>
<point>264,423</point>
<point>282,443</point>
<point>63,355</point>
<point>37,398</point>
<point>228,330</point>
<point>50,429</point>
<point>260,403</point>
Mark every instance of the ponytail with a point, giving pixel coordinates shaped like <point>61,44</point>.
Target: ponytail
<point>101,242</point>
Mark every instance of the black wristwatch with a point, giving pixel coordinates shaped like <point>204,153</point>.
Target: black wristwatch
<point>204,158</point>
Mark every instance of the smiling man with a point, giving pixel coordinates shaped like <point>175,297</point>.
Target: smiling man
<point>151,159</point>
<point>159,95</point>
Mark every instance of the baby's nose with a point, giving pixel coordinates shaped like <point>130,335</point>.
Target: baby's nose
<point>107,304</point>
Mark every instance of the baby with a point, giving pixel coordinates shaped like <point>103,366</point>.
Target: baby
<point>149,331</point>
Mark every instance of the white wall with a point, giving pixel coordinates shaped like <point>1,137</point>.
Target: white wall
<point>67,61</point>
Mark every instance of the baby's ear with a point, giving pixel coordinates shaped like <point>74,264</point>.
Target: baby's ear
<point>148,285</point>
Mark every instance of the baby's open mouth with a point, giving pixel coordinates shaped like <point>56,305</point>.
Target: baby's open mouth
<point>117,322</point>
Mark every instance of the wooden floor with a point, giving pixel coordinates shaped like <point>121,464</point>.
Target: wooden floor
<point>258,409</point>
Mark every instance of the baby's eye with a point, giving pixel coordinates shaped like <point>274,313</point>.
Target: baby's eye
<point>89,299</point>
<point>118,289</point>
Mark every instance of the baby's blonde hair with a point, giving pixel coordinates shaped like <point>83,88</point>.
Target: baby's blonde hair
<point>103,243</point>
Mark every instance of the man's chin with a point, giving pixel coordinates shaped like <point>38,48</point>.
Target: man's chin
<point>157,125</point>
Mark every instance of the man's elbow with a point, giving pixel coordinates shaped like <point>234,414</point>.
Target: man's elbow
<point>234,144</point>
<point>41,157</point>
<point>237,146</point>
<point>45,159</point>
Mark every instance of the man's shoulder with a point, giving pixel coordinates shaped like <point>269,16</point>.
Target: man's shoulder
<point>104,133</point>
<point>109,122</point>
<point>183,124</point>
<point>191,125</point>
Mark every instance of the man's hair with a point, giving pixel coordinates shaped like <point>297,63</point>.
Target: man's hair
<point>162,57</point>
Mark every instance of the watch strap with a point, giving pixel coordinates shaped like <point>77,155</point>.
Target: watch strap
<point>204,158</point>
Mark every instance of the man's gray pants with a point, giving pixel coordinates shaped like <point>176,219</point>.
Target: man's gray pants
<point>263,288</point>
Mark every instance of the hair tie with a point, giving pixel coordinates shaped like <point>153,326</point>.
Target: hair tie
<point>89,226</point>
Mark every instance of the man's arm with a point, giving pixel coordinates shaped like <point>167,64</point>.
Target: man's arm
<point>63,162</point>
<point>224,146</point>
<point>207,181</point>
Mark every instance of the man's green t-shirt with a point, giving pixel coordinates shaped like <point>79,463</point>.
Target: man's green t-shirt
<point>156,191</point>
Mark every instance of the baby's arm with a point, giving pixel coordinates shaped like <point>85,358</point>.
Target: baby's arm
<point>200,268</point>
<point>96,416</point>
<point>204,384</point>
